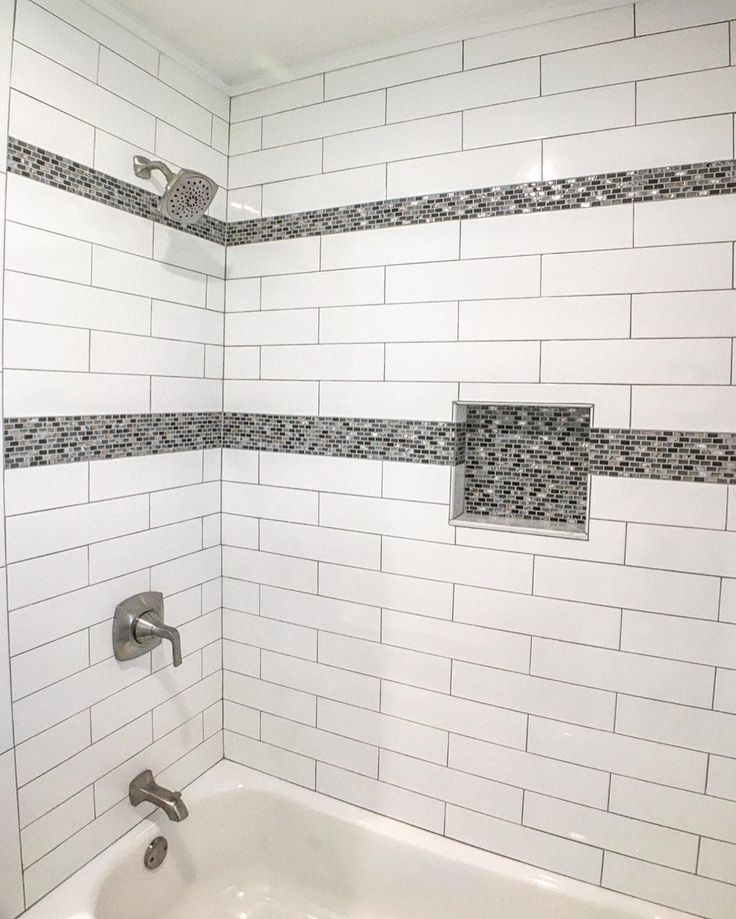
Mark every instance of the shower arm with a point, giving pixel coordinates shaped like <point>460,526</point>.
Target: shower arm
<point>143,167</point>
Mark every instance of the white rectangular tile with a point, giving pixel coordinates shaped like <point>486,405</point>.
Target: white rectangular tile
<point>273,165</point>
<point>611,832</point>
<point>380,589</point>
<point>271,397</point>
<point>476,567</point>
<point>53,302</point>
<point>389,71</point>
<point>689,361</point>
<point>335,117</point>
<point>658,501</point>
<point>689,141</point>
<point>321,473</point>
<point>34,251</point>
<point>550,116</point>
<point>386,662</point>
<point>355,619</point>
<point>684,408</point>
<point>277,98</point>
<point>450,713</point>
<point>536,696</point>
<point>682,726</point>
<point>45,80</point>
<point>707,92</point>
<point>710,643</point>
<point>654,762</point>
<point>636,59</point>
<point>684,314</point>
<point>560,619</point>
<point>504,165</point>
<point>573,32</point>
<point>128,81</point>
<point>682,549</point>
<point>320,543</point>
<point>464,361</point>
<point>321,680</point>
<point>329,288</point>
<point>429,401</point>
<point>664,15</point>
<point>430,242</point>
<point>667,592</point>
<point>275,503</point>
<point>703,267</point>
<point>322,362</point>
<point>266,568</point>
<point>555,854</point>
<point>367,793</point>
<point>551,231</point>
<point>468,280</point>
<point>631,674</point>
<point>470,89</point>
<point>525,770</point>
<point>391,142</point>
<point>385,516</point>
<point>482,795</point>
<point>327,190</point>
<point>452,639</point>
<point>382,731</point>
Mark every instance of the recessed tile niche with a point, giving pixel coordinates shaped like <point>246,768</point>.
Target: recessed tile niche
<point>523,468</point>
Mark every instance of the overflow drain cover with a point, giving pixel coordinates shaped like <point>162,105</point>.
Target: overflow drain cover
<point>155,853</point>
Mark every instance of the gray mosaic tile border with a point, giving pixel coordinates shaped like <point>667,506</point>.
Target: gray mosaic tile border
<point>46,441</point>
<point>436,442</point>
<point>527,463</point>
<point>655,184</point>
<point>51,169</point>
<point>42,441</point>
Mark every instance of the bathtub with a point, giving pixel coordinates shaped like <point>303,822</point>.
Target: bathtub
<point>258,848</point>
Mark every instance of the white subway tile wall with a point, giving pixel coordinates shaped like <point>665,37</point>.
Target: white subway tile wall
<point>567,703</point>
<point>561,702</point>
<point>104,312</point>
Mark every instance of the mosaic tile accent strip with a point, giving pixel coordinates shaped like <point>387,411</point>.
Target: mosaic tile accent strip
<point>359,438</point>
<point>42,441</point>
<point>528,463</point>
<point>656,184</point>
<point>46,441</point>
<point>680,456</point>
<point>51,169</point>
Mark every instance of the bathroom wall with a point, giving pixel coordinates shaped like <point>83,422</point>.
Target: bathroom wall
<point>569,703</point>
<point>113,328</point>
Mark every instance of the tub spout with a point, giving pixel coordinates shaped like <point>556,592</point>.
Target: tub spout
<point>145,788</point>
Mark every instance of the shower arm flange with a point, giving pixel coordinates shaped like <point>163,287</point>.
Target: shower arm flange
<point>143,167</point>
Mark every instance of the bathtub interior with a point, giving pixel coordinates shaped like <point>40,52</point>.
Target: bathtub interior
<point>257,854</point>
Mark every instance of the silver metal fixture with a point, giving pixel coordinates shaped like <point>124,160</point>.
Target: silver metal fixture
<point>187,195</point>
<point>138,627</point>
<point>144,788</point>
<point>156,852</point>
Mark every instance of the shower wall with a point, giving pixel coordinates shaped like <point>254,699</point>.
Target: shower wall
<point>567,702</point>
<point>113,333</point>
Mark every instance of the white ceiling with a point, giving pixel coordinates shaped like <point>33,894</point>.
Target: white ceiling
<point>249,43</point>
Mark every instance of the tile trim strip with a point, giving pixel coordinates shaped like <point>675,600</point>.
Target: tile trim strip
<point>42,441</point>
<point>49,168</point>
<point>602,190</point>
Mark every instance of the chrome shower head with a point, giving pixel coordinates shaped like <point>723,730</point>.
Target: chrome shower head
<point>187,195</point>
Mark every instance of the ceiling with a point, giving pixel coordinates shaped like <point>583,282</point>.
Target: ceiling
<point>250,43</point>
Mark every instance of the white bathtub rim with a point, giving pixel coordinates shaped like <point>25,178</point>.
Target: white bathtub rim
<point>76,897</point>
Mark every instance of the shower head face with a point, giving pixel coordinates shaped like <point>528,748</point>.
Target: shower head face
<point>187,196</point>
